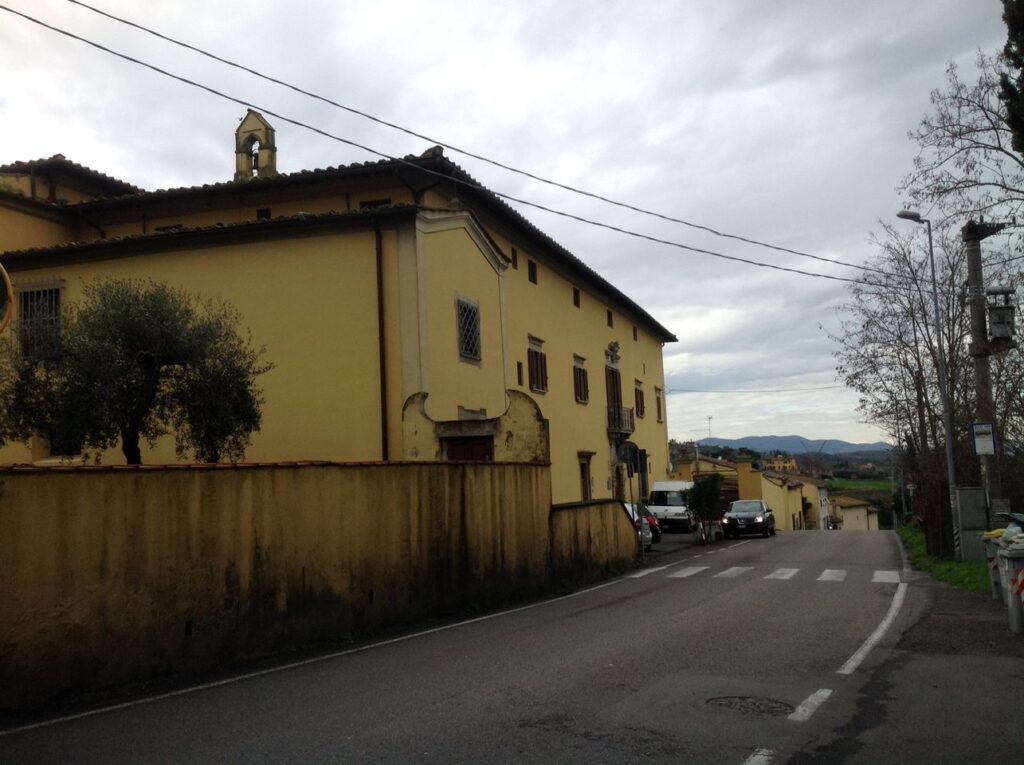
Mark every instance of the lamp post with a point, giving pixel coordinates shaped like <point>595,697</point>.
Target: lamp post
<point>944,393</point>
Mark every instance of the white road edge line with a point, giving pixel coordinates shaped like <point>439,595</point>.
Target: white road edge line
<point>745,541</point>
<point>296,664</point>
<point>894,608</point>
<point>760,757</point>
<point>645,571</point>
<point>803,712</point>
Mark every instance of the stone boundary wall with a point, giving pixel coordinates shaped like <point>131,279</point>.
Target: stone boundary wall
<point>115,574</point>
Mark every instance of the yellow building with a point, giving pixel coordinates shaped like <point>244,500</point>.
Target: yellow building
<point>798,502</point>
<point>855,514</point>
<point>410,314</point>
<point>780,464</point>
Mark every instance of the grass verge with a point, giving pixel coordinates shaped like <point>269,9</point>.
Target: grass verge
<point>970,575</point>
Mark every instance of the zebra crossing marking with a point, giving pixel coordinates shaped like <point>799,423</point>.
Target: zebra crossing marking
<point>688,571</point>
<point>879,576</point>
<point>732,573</point>
<point>783,573</point>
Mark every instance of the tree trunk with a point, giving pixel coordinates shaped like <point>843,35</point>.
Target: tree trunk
<point>130,446</point>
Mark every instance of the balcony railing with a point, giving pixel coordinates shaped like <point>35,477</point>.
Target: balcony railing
<point>620,420</point>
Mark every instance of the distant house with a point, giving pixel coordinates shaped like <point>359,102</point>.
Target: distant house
<point>854,514</point>
<point>780,464</point>
<point>798,502</point>
<point>410,314</point>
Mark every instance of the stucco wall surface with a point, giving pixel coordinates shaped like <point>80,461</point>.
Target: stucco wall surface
<point>587,537</point>
<point>116,574</point>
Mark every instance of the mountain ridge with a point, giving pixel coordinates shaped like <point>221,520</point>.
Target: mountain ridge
<point>795,444</point>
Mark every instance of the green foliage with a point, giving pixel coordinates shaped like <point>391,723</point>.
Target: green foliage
<point>135,360</point>
<point>705,495</point>
<point>859,484</point>
<point>969,575</point>
<point>1011,82</point>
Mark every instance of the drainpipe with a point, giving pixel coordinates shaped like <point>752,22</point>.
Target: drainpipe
<point>382,348</point>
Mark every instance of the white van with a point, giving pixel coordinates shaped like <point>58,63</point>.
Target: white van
<point>668,502</point>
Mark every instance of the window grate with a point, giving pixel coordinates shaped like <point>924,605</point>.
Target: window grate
<point>38,319</point>
<point>468,321</point>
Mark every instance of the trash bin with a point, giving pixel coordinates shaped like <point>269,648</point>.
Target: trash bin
<point>992,559</point>
<point>1011,568</point>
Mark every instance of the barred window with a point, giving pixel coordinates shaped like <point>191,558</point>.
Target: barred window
<point>537,361</point>
<point>467,317</point>
<point>580,382</point>
<point>38,319</point>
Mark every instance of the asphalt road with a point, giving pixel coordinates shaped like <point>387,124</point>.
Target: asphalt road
<point>729,654</point>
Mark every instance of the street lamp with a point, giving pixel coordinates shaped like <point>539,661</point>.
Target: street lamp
<point>944,394</point>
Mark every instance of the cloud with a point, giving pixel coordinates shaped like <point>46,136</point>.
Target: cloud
<point>785,123</point>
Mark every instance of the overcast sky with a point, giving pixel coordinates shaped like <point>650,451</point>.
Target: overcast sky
<point>786,124</point>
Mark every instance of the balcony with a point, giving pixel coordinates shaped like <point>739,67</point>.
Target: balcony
<point>620,420</point>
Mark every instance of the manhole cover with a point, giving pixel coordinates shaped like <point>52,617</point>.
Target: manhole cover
<point>752,705</point>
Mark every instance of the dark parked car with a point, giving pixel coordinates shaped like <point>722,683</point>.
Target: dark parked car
<point>748,516</point>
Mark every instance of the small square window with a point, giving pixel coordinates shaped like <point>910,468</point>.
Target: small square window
<point>611,321</point>
<point>519,373</point>
<point>467,318</point>
<point>576,296</point>
<point>531,270</point>
<point>515,259</point>
<point>634,333</point>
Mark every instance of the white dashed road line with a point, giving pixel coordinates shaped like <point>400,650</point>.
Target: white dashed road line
<point>803,712</point>
<point>832,575</point>
<point>886,577</point>
<point>760,757</point>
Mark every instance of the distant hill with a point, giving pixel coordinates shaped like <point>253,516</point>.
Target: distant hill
<point>795,445</point>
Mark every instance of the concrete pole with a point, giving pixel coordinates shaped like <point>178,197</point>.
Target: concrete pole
<point>945,393</point>
<point>972,234</point>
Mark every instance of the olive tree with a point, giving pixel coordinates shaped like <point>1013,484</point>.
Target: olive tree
<point>134,361</point>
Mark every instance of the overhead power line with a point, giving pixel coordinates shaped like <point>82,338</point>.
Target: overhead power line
<point>467,152</point>
<point>460,181</point>
<point>765,390</point>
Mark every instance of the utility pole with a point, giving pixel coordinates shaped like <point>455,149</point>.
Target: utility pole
<point>981,349</point>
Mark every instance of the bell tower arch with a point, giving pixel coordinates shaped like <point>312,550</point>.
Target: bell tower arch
<point>255,150</point>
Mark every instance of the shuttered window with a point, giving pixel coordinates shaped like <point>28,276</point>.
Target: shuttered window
<point>580,382</point>
<point>537,361</point>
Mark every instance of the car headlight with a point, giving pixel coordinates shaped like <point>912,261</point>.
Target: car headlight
<point>724,519</point>
<point>759,519</point>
